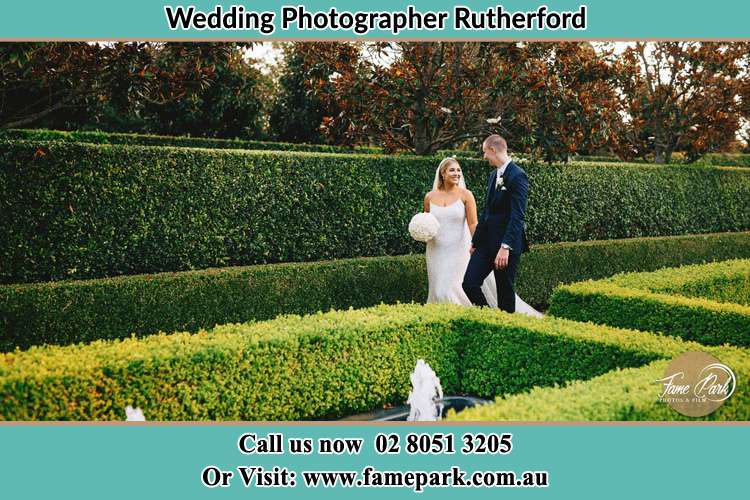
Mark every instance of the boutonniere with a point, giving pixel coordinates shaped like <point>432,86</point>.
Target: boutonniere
<point>499,182</point>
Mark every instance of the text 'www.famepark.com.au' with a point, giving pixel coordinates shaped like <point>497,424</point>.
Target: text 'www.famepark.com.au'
<point>369,477</point>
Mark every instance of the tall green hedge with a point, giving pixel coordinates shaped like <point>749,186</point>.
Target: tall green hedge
<point>80,311</point>
<point>82,211</point>
<point>96,137</point>
<point>657,302</point>
<point>330,365</point>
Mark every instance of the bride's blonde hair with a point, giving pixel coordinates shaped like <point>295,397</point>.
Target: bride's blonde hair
<point>442,168</point>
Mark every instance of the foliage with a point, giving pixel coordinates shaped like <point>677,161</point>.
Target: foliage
<point>680,95</point>
<point>229,104</point>
<point>731,160</point>
<point>619,395</point>
<point>79,311</point>
<point>323,366</point>
<point>50,81</point>
<point>567,99</point>
<point>97,137</point>
<point>307,75</point>
<point>680,302</point>
<point>553,98</point>
<point>83,210</point>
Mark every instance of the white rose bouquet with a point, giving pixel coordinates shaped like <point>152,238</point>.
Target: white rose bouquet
<point>423,227</point>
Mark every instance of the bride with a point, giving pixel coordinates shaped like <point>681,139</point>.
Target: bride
<point>448,253</point>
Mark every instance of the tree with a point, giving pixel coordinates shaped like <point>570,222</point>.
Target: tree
<point>680,95</point>
<point>228,105</point>
<point>427,96</point>
<point>551,98</point>
<point>306,80</point>
<point>564,98</point>
<point>744,106</point>
<point>39,81</point>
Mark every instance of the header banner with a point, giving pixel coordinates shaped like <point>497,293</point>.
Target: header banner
<point>268,20</point>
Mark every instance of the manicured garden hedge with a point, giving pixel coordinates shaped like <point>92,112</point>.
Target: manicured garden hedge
<point>657,302</point>
<point>84,211</point>
<point>730,160</point>
<point>96,137</point>
<point>80,311</point>
<point>624,394</point>
<point>328,365</point>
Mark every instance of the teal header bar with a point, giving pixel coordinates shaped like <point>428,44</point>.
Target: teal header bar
<point>426,20</point>
<point>170,461</point>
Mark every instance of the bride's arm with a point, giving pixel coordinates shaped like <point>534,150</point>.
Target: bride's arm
<point>427,202</point>
<point>471,211</point>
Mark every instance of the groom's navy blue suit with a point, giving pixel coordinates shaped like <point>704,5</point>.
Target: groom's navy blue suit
<point>502,222</point>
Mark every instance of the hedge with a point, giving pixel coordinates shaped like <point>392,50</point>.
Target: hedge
<point>325,366</point>
<point>87,211</point>
<point>80,311</point>
<point>622,394</point>
<point>96,137</point>
<point>726,159</point>
<point>656,302</point>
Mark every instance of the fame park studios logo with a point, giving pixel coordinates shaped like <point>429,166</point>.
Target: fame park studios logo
<point>696,384</point>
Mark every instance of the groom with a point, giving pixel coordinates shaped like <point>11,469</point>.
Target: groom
<point>499,238</point>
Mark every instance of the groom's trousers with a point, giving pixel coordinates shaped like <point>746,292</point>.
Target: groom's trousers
<point>481,264</point>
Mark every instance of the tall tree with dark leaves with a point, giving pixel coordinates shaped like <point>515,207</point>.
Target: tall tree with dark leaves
<point>228,104</point>
<point>550,98</point>
<point>305,84</point>
<point>681,95</point>
<point>51,82</point>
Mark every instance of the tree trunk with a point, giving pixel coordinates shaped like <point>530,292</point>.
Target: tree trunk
<point>660,151</point>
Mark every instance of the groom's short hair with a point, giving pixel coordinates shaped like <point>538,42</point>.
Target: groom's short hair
<point>497,142</point>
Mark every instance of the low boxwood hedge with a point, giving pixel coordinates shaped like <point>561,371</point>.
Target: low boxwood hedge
<point>324,366</point>
<point>86,211</point>
<point>80,311</point>
<point>621,394</point>
<point>678,302</point>
<point>96,137</point>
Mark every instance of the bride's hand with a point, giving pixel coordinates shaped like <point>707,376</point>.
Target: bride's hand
<point>471,249</point>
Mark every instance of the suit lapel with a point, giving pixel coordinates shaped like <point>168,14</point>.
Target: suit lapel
<point>491,185</point>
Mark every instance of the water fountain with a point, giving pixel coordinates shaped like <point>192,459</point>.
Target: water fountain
<point>426,401</point>
<point>134,414</point>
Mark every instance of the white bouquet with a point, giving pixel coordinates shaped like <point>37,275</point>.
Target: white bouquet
<point>423,227</point>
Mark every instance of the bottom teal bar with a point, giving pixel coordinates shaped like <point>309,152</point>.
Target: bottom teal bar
<point>188,461</point>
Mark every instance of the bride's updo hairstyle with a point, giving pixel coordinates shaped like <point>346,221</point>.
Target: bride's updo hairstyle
<point>442,168</point>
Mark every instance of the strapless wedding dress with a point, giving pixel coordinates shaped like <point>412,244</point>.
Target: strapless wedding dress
<point>447,257</point>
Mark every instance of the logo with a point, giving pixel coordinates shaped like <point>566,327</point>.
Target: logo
<point>696,384</point>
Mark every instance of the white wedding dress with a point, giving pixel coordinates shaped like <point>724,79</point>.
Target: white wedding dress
<point>448,256</point>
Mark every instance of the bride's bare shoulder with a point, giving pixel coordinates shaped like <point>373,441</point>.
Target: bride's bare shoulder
<point>467,195</point>
<point>429,195</point>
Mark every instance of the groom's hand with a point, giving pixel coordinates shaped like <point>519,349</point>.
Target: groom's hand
<point>471,250</point>
<point>501,261</point>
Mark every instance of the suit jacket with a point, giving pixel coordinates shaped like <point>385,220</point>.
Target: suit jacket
<point>503,218</point>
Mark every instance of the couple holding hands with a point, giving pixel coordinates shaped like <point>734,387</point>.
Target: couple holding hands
<point>471,260</point>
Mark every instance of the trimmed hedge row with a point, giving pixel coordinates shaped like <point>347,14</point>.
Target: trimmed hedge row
<point>654,302</point>
<point>83,311</point>
<point>623,394</point>
<point>80,311</point>
<point>326,365</point>
<point>726,159</point>
<point>86,211</point>
<point>96,137</point>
